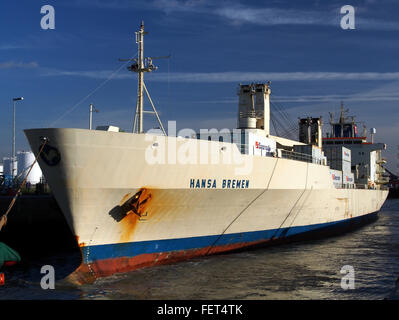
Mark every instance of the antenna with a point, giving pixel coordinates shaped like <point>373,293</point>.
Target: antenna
<point>141,65</point>
<point>364,131</point>
<point>331,117</point>
<point>331,123</point>
<point>372,133</point>
<point>91,115</point>
<point>342,116</point>
<point>253,93</point>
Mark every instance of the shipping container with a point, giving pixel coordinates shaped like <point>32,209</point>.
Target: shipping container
<point>346,167</point>
<point>349,178</point>
<point>336,177</point>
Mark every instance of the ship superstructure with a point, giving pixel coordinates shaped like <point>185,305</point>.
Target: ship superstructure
<point>365,156</point>
<point>141,199</point>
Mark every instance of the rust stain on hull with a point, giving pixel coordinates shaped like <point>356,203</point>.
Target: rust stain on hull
<point>80,244</point>
<point>347,213</point>
<point>135,207</point>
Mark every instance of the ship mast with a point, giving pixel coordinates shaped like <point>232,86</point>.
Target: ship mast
<point>344,127</point>
<point>140,78</point>
<point>342,116</point>
<point>140,66</point>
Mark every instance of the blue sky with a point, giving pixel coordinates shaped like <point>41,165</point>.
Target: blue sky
<point>299,45</point>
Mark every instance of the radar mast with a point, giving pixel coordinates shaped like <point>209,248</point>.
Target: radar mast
<point>143,64</point>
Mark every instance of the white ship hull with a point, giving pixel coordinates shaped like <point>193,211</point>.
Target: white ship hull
<point>187,210</point>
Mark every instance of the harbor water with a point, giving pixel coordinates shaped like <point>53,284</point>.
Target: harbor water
<point>303,270</point>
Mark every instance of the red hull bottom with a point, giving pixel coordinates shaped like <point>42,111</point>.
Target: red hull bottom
<point>89,272</point>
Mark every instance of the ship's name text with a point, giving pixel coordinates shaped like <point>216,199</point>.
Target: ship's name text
<point>224,184</point>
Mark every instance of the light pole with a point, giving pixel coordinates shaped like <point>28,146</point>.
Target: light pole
<point>91,115</point>
<point>13,136</point>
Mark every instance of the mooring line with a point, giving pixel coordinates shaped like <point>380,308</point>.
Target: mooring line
<point>257,197</point>
<point>24,181</point>
<point>296,202</point>
<point>293,220</point>
<point>92,92</point>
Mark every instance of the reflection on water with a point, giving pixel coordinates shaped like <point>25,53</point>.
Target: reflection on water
<point>307,270</point>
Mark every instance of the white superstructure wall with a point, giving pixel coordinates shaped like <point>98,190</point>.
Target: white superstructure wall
<point>254,107</point>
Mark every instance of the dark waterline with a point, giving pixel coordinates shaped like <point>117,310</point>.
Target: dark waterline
<point>305,270</point>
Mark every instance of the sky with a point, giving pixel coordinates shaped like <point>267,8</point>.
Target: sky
<point>312,62</point>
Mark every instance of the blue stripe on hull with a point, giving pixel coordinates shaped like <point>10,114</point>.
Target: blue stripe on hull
<point>132,249</point>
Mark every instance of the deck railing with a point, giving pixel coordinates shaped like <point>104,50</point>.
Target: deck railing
<point>298,156</point>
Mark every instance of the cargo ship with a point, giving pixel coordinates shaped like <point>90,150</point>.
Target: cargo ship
<point>136,199</point>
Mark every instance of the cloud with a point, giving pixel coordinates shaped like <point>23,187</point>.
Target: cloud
<point>233,76</point>
<point>104,74</point>
<point>12,46</point>
<point>275,16</point>
<point>328,98</point>
<point>383,92</point>
<point>273,76</point>
<point>104,4</point>
<point>169,6</point>
<point>12,64</point>
<point>237,14</point>
<point>317,98</point>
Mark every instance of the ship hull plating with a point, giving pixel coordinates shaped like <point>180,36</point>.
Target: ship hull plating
<point>127,212</point>
<point>132,256</point>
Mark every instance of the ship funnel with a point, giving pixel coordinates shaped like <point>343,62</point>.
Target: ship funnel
<point>254,106</point>
<point>373,131</point>
<point>310,131</point>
